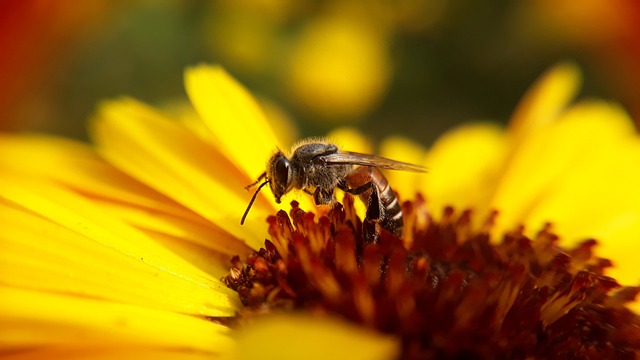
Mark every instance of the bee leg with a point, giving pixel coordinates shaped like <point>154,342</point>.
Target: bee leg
<point>383,209</point>
<point>374,209</point>
<point>260,178</point>
<point>373,216</point>
<point>323,196</point>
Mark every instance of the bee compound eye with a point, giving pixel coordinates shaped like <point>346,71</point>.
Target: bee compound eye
<point>279,175</point>
<point>282,172</point>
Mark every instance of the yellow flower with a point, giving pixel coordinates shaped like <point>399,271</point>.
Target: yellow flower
<point>570,165</point>
<point>123,256</point>
<point>118,250</point>
<point>341,87</point>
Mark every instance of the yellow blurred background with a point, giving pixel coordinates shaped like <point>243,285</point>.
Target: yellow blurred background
<point>408,67</point>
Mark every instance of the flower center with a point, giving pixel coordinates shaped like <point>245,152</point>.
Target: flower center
<point>445,288</point>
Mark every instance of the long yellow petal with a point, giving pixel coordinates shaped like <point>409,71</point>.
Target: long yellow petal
<point>544,101</point>
<point>242,131</point>
<point>55,240</point>
<point>300,336</point>
<point>348,138</point>
<point>77,166</point>
<point>555,154</point>
<point>154,222</point>
<point>36,321</point>
<point>401,149</point>
<point>463,166</point>
<point>172,160</point>
<point>109,352</point>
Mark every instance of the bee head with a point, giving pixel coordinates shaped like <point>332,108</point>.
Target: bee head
<point>279,175</point>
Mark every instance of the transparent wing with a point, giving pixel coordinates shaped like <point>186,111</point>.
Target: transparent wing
<point>347,157</point>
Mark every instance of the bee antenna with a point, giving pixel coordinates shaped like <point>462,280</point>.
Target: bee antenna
<point>253,198</point>
<point>264,175</point>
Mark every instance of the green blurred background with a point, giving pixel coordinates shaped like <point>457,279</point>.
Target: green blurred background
<point>407,67</point>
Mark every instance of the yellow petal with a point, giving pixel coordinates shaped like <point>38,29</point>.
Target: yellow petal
<point>298,336</point>
<point>244,35</point>
<point>351,139</point>
<point>239,126</point>
<point>339,87</point>
<point>172,160</point>
<point>187,230</point>
<point>244,135</point>
<point>38,321</point>
<point>561,152</point>
<point>104,352</point>
<point>406,183</point>
<point>597,198</point>
<point>285,127</point>
<point>544,101</point>
<point>55,240</point>
<point>210,248</point>
<point>463,166</point>
<point>79,168</point>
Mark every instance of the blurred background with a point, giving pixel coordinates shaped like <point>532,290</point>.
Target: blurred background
<point>407,67</point>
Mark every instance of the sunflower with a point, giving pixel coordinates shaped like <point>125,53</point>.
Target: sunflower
<point>133,247</point>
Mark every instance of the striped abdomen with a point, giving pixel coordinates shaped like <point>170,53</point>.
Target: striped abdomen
<point>382,204</point>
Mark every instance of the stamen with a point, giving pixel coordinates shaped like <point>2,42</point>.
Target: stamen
<point>447,289</point>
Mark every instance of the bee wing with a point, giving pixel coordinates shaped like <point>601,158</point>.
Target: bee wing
<point>348,157</point>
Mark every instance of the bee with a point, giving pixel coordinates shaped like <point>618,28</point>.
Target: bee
<point>319,167</point>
